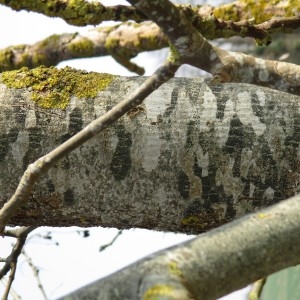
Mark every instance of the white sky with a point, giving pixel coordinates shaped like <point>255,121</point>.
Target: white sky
<point>76,261</point>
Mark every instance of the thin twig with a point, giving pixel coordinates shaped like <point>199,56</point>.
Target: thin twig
<point>256,289</point>
<point>12,260</point>
<point>13,293</point>
<point>103,247</point>
<point>11,278</point>
<point>35,271</point>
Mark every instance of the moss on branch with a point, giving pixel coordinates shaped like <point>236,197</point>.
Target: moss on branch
<point>53,88</point>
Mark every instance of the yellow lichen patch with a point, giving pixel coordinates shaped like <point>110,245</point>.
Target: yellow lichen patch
<point>263,216</point>
<point>173,269</point>
<point>53,88</point>
<point>158,290</point>
<point>252,9</point>
<point>82,47</point>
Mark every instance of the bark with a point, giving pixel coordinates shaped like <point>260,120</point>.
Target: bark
<point>192,157</point>
<point>212,265</point>
<point>123,40</point>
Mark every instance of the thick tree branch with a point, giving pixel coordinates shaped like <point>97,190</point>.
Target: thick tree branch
<point>212,265</point>
<point>43,164</point>
<point>201,154</point>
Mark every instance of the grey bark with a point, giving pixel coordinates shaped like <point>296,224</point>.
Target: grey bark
<point>192,157</point>
<point>212,265</point>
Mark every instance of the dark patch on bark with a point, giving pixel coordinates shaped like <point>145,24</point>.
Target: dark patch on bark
<point>189,135</point>
<point>256,107</point>
<point>221,104</point>
<point>197,170</point>
<point>6,140</point>
<point>69,197</point>
<point>20,110</point>
<point>121,162</point>
<point>294,140</point>
<point>35,148</point>
<point>75,125</point>
<point>171,107</point>
<point>221,97</point>
<point>193,92</point>
<point>183,185</point>
<point>76,122</point>
<point>268,165</point>
<point>235,137</point>
<point>239,137</point>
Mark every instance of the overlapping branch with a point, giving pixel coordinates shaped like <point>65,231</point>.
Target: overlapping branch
<point>10,263</point>
<point>212,265</point>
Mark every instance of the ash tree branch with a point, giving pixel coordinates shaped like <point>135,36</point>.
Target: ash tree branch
<point>124,40</point>
<point>43,164</point>
<point>78,13</point>
<point>211,265</point>
<point>225,66</point>
<point>123,43</point>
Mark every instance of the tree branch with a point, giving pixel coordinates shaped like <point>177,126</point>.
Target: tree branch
<point>125,40</point>
<point>43,164</point>
<point>212,265</point>
<point>11,261</point>
<point>226,66</point>
<point>79,13</point>
<point>199,153</point>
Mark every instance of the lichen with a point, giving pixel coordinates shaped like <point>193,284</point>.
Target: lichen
<point>174,269</point>
<point>5,59</point>
<point>247,9</point>
<point>53,88</point>
<point>157,291</point>
<point>80,47</point>
<point>174,55</point>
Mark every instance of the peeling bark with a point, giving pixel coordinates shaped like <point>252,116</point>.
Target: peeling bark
<point>192,157</point>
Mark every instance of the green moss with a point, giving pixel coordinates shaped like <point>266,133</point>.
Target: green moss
<point>53,88</point>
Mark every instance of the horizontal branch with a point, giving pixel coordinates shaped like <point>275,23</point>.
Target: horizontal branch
<point>227,20</point>
<point>124,40</point>
<point>212,265</point>
<point>80,12</point>
<point>193,157</point>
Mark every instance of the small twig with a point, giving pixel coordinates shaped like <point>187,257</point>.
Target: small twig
<point>103,247</point>
<point>43,164</point>
<point>11,261</point>
<point>13,293</point>
<point>11,278</point>
<point>256,289</point>
<point>35,271</point>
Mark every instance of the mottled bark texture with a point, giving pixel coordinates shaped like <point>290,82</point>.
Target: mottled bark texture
<point>212,265</point>
<point>192,157</point>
